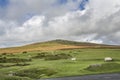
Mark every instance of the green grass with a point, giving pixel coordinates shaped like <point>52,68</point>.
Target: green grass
<point>41,68</point>
<point>105,67</point>
<point>35,73</point>
<point>6,77</point>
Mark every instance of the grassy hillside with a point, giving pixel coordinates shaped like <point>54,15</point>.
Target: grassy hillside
<point>53,59</point>
<point>48,64</point>
<point>55,45</point>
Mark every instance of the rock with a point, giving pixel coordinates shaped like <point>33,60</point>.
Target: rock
<point>95,65</point>
<point>10,73</point>
<point>73,59</point>
<point>108,59</point>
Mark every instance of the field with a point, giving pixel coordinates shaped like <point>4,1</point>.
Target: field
<point>57,63</point>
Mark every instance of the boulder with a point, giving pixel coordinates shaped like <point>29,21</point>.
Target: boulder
<point>108,59</point>
<point>73,59</point>
<point>95,65</point>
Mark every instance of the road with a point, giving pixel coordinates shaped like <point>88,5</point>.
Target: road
<point>115,76</point>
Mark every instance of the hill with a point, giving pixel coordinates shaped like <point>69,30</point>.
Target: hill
<point>55,45</point>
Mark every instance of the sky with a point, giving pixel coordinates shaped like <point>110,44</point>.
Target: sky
<point>29,21</point>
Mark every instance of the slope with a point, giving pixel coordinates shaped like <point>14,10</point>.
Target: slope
<point>54,45</point>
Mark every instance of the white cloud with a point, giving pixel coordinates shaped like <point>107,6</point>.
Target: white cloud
<point>104,8</point>
<point>98,23</point>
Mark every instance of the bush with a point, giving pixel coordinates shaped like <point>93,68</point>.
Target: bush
<point>21,64</point>
<point>24,52</point>
<point>11,54</point>
<point>6,77</point>
<point>4,53</point>
<point>41,55</point>
<point>58,56</point>
<point>11,65</point>
<point>48,56</point>
<point>12,60</point>
<point>35,73</point>
<point>15,78</point>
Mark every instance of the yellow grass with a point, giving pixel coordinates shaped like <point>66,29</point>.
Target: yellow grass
<point>48,46</point>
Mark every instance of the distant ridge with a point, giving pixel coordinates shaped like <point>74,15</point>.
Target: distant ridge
<point>57,44</point>
<point>68,42</point>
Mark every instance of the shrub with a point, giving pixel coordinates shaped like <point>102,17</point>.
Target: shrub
<point>21,64</point>
<point>12,60</point>
<point>6,77</point>
<point>48,56</point>
<point>11,54</point>
<point>58,56</point>
<point>24,52</point>
<point>10,65</point>
<point>16,78</point>
<point>35,73</point>
<point>3,59</point>
<point>4,53</point>
<point>41,55</point>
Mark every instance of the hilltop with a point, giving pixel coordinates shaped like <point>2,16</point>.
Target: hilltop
<point>57,58</point>
<point>55,45</point>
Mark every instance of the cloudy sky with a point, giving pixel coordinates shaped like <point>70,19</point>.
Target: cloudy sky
<point>27,21</point>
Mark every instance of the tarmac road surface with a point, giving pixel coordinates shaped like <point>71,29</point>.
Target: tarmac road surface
<point>114,76</point>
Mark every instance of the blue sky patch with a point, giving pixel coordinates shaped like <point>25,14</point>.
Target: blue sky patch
<point>74,0</point>
<point>4,3</point>
<point>83,4</point>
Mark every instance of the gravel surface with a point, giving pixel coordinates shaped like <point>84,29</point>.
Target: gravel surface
<point>115,76</point>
